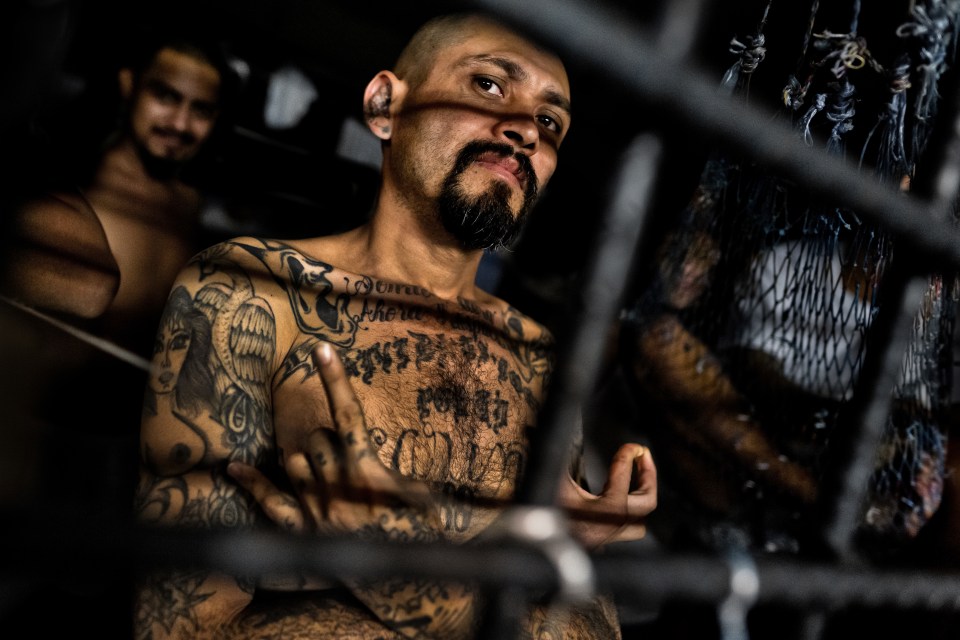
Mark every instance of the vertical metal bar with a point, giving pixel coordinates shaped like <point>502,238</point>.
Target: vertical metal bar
<point>947,181</point>
<point>582,348</point>
<point>581,351</point>
<point>889,337</point>
<point>940,182</point>
<point>503,613</point>
<point>679,27</point>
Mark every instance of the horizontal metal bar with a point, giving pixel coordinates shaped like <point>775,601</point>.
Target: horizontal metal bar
<point>645,575</point>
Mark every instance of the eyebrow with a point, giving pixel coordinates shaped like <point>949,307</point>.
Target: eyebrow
<point>516,72</point>
<point>155,85</point>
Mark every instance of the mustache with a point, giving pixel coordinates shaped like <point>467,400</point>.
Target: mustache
<point>474,150</point>
<point>185,137</point>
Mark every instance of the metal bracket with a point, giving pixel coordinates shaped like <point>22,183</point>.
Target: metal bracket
<point>545,529</point>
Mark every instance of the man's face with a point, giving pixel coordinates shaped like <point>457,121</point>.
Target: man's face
<point>174,106</point>
<point>480,135</point>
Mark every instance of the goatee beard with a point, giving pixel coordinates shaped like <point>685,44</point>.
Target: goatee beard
<point>161,167</point>
<point>485,221</point>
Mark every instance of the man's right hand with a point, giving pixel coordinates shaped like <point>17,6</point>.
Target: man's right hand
<point>341,484</point>
<point>343,487</point>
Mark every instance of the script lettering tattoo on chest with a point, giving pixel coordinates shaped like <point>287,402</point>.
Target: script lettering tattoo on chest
<point>449,388</point>
<point>477,407</point>
<point>380,311</point>
<point>384,357</point>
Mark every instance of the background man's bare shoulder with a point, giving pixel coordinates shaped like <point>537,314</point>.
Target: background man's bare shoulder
<point>58,257</point>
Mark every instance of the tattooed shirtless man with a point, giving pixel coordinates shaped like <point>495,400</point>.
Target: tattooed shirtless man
<point>368,364</point>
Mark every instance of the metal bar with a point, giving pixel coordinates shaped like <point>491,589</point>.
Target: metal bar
<point>679,26</point>
<point>811,585</point>
<point>35,545</point>
<point>106,346</point>
<point>582,349</point>
<point>941,181</point>
<point>845,485</point>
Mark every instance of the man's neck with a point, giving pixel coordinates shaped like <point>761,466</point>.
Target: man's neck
<point>398,245</point>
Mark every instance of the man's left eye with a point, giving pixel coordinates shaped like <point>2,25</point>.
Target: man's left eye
<point>549,123</point>
<point>489,86</point>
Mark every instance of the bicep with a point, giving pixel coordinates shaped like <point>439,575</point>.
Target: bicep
<point>208,398</point>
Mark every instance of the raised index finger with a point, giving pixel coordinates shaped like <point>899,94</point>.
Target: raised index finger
<point>344,406</point>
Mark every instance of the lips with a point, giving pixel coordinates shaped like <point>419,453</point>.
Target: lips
<point>173,138</point>
<point>508,166</point>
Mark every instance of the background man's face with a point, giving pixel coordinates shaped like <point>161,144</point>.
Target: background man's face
<point>174,106</point>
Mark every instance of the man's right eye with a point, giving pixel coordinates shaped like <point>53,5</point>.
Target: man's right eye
<point>488,86</point>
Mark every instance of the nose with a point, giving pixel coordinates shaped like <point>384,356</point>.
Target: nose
<point>521,132</point>
<point>181,118</point>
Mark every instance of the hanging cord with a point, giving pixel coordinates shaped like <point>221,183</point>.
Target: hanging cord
<point>892,158</point>
<point>855,20</point>
<point>853,55</point>
<point>795,93</point>
<point>751,52</point>
<point>840,112</point>
<point>819,103</point>
<point>934,25</point>
<point>846,52</point>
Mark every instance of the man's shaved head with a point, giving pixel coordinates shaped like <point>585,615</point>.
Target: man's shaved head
<point>440,33</point>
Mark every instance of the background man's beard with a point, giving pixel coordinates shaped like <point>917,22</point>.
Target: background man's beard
<point>485,221</point>
<point>160,166</point>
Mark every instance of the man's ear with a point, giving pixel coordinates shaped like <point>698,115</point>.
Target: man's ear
<point>125,82</point>
<point>381,101</point>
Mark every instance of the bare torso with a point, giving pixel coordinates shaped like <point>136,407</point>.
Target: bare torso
<point>449,388</point>
<point>151,226</point>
